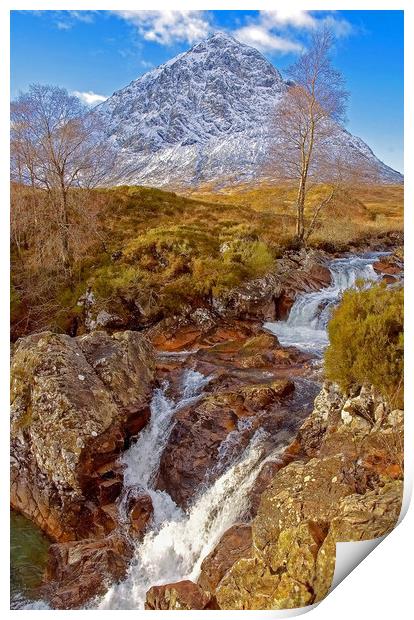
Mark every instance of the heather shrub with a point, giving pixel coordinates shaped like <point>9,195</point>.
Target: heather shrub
<point>366,341</point>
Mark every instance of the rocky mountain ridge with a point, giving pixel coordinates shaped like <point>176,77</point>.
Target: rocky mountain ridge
<point>205,116</point>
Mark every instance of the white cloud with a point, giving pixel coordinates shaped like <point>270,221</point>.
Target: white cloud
<point>282,18</point>
<point>65,20</point>
<point>62,25</point>
<point>277,31</point>
<point>146,64</point>
<point>89,97</point>
<point>304,20</point>
<point>168,27</point>
<point>340,27</point>
<point>264,40</point>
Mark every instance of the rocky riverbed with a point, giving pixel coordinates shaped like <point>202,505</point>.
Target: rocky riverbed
<point>193,455</point>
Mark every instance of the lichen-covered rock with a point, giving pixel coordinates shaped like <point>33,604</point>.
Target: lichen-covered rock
<point>351,489</point>
<point>74,402</point>
<point>296,568</point>
<point>270,297</point>
<point>300,492</point>
<point>180,595</point>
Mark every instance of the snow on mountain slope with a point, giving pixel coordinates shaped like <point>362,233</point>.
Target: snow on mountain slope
<point>202,116</point>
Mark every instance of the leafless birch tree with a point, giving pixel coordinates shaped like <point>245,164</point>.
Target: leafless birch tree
<point>307,123</point>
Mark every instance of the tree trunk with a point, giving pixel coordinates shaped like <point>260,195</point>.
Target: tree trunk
<point>66,253</point>
<point>300,211</point>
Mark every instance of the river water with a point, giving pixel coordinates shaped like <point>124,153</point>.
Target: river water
<point>177,541</point>
<point>306,326</point>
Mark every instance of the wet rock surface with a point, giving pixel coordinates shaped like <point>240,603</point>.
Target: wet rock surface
<point>209,434</point>
<point>80,570</point>
<point>336,491</point>
<point>74,402</point>
<point>140,510</point>
<point>236,543</point>
<point>391,265</point>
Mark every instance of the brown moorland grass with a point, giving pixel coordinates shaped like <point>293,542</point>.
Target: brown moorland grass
<point>165,251</point>
<point>355,213</point>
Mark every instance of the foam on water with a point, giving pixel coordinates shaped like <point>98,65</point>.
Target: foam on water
<point>175,547</point>
<point>306,326</point>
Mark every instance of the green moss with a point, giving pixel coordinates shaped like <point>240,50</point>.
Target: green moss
<point>366,341</point>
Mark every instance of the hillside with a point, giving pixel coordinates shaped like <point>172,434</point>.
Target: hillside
<point>147,253</point>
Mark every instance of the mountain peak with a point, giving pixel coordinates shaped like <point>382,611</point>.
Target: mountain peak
<point>203,115</point>
<point>220,36</point>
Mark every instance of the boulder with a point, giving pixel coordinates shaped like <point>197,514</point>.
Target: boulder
<point>235,543</point>
<point>345,486</point>
<point>181,595</point>
<point>140,511</point>
<point>75,402</point>
<point>270,297</point>
<point>388,266</point>
<point>79,570</point>
<point>261,396</point>
<point>253,584</point>
<point>194,441</point>
<point>209,433</point>
<point>293,565</point>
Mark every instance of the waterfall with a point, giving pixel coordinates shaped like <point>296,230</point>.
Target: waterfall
<point>174,549</point>
<point>177,541</point>
<point>306,326</point>
<point>143,457</point>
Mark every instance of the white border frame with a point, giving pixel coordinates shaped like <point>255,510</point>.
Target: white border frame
<point>381,585</point>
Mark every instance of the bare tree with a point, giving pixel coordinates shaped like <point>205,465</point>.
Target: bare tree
<point>57,144</point>
<point>308,123</point>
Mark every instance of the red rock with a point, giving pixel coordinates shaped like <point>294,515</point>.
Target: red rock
<point>192,451</point>
<point>388,265</point>
<point>140,513</point>
<point>77,571</point>
<point>193,447</point>
<point>283,305</point>
<point>109,490</point>
<point>235,543</point>
<point>180,595</point>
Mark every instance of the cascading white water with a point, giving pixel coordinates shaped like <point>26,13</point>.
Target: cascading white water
<point>174,549</point>
<point>178,541</point>
<point>143,458</point>
<point>306,326</point>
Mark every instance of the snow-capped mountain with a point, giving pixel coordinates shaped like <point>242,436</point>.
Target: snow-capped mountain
<point>204,116</point>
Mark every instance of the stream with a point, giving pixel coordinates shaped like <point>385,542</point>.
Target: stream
<point>177,541</point>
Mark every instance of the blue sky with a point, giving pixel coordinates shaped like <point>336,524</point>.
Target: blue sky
<point>94,53</point>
